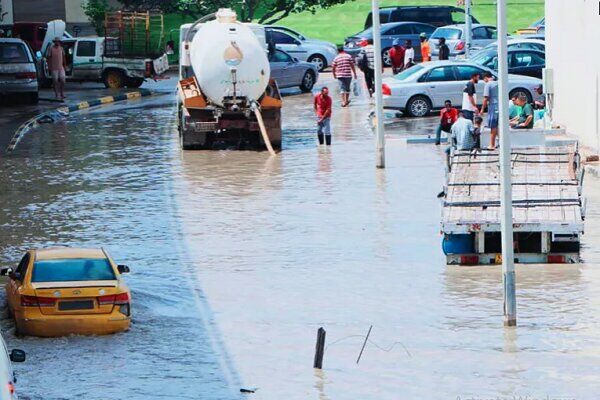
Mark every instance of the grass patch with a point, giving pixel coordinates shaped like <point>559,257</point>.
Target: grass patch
<point>338,22</point>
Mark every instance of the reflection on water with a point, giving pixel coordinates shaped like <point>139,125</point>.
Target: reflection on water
<point>239,257</point>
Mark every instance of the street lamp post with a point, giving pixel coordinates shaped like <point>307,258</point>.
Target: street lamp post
<point>508,265</point>
<point>379,132</point>
<point>468,29</point>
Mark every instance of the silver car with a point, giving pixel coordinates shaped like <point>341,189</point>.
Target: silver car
<point>18,73</point>
<point>318,52</point>
<point>424,87</point>
<point>290,72</point>
<point>455,35</point>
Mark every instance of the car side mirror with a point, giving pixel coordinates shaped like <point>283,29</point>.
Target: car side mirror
<point>297,42</point>
<point>17,355</point>
<point>6,271</point>
<point>38,54</point>
<point>123,269</point>
<point>295,60</point>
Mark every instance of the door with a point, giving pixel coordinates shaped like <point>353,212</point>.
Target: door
<point>464,73</point>
<point>86,62</point>
<point>441,86</point>
<point>528,63</point>
<point>281,69</point>
<point>289,44</point>
<point>13,296</point>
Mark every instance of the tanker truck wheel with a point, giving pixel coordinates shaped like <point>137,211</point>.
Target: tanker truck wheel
<point>308,81</point>
<point>114,79</point>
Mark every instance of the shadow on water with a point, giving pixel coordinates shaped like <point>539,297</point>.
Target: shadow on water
<point>107,180</point>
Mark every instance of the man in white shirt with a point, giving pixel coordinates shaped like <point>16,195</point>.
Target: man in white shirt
<point>409,55</point>
<point>469,103</point>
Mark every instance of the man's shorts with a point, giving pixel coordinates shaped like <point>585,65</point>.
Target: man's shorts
<point>345,84</point>
<point>59,75</point>
<point>492,119</point>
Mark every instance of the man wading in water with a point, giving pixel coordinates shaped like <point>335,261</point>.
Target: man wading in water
<point>322,105</point>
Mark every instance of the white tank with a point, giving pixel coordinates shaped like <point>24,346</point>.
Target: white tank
<point>224,51</point>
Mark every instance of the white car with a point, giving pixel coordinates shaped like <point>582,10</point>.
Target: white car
<point>424,87</point>
<point>521,44</point>
<point>455,35</point>
<point>7,376</point>
<point>318,52</point>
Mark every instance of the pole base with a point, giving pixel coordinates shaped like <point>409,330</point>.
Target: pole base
<point>510,322</point>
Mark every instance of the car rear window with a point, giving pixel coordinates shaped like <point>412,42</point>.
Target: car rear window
<point>72,269</point>
<point>448,33</point>
<point>407,73</point>
<point>13,53</point>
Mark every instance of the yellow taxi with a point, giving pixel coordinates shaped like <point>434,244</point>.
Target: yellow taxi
<point>62,291</point>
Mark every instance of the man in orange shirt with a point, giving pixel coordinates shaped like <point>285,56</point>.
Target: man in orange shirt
<point>425,49</point>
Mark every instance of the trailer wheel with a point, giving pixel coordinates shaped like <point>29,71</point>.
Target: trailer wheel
<point>134,82</point>
<point>114,79</point>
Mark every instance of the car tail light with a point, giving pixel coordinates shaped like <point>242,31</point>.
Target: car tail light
<point>363,43</point>
<point>121,298</point>
<point>469,260</point>
<point>25,75</point>
<point>556,259</point>
<point>148,72</point>
<point>33,301</point>
<point>385,89</point>
<point>460,46</point>
<point>11,387</point>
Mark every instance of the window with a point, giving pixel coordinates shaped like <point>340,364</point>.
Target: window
<point>428,29</point>
<point>466,71</point>
<point>12,53</point>
<point>86,48</point>
<point>282,38</point>
<point>521,59</point>
<point>72,269</point>
<point>280,56</point>
<point>458,17</point>
<point>448,33</point>
<point>22,267</point>
<point>492,33</point>
<point>441,74</point>
<point>400,30</point>
<point>481,33</point>
<point>487,58</point>
<point>407,73</point>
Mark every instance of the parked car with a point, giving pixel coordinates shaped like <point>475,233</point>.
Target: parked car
<point>520,61</point>
<point>520,43</point>
<point>318,52</point>
<point>389,32</point>
<point>455,36</point>
<point>424,87</point>
<point>99,59</point>
<point>432,15</point>
<point>538,27</point>
<point>18,73</point>
<point>290,72</point>
<point>63,291</point>
<point>7,375</point>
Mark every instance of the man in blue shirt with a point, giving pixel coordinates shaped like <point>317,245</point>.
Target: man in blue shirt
<point>462,133</point>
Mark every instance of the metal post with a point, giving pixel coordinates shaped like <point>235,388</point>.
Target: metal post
<point>379,132</point>
<point>468,29</point>
<point>319,349</point>
<point>508,265</point>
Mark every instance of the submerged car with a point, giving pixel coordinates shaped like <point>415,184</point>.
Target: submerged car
<point>289,72</point>
<point>424,87</point>
<point>62,291</point>
<point>18,71</point>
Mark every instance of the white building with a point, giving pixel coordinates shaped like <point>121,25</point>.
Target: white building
<point>572,41</point>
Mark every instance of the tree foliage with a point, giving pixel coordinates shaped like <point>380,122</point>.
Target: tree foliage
<point>265,11</point>
<point>95,10</point>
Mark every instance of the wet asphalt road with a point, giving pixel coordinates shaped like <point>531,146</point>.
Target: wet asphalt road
<point>237,258</point>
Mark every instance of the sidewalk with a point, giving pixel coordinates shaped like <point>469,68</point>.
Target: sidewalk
<point>13,115</point>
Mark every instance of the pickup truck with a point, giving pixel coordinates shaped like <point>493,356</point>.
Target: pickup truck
<point>99,59</point>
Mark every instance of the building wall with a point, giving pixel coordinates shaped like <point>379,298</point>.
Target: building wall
<point>38,10</point>
<point>6,12</point>
<point>74,11</point>
<point>572,36</point>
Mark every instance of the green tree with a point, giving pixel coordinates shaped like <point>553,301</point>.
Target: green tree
<point>95,10</point>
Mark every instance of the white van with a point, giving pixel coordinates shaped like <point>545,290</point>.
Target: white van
<point>7,376</point>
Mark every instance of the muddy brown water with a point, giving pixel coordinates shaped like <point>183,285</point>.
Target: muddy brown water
<point>238,258</point>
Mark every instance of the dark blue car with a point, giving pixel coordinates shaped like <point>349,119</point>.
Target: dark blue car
<point>389,32</point>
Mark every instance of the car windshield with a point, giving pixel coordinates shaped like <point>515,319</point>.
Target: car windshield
<point>486,58</point>
<point>13,53</point>
<point>73,269</point>
<point>407,73</point>
<point>447,33</point>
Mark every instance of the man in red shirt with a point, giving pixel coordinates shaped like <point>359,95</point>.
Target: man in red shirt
<point>323,105</point>
<point>397,56</point>
<point>448,117</point>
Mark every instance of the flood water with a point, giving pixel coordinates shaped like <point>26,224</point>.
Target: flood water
<point>237,259</point>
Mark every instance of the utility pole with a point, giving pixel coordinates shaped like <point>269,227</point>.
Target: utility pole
<point>508,258</point>
<point>468,29</point>
<point>379,132</point>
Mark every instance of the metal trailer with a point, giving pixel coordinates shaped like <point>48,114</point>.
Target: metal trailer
<point>548,208</point>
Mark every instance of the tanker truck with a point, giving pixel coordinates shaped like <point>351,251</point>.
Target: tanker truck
<point>226,98</point>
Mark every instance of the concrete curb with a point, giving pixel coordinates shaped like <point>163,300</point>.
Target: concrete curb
<point>62,112</point>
